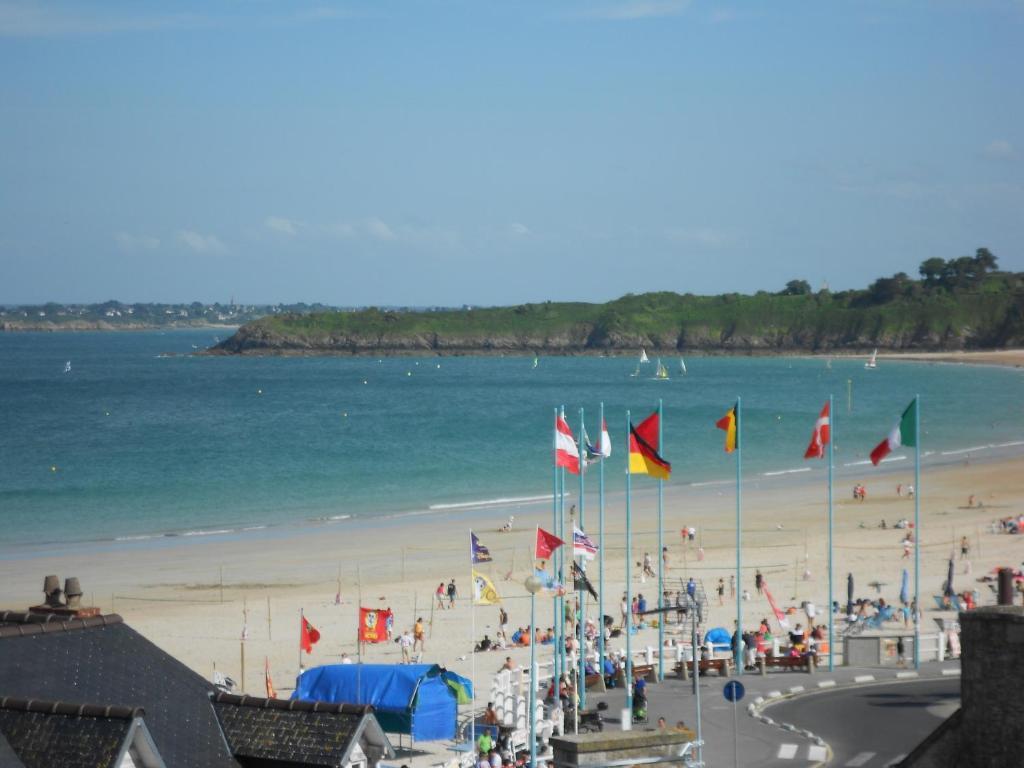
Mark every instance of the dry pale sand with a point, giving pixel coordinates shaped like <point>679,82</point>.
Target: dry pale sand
<point>1008,357</point>
<point>171,592</point>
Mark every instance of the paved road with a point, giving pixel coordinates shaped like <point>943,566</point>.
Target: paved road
<point>869,726</point>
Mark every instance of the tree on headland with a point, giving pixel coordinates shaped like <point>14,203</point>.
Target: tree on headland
<point>796,288</point>
<point>959,273</point>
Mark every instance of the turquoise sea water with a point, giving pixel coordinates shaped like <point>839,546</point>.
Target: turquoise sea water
<point>131,444</point>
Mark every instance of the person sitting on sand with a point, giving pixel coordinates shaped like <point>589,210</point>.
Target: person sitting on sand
<point>485,644</point>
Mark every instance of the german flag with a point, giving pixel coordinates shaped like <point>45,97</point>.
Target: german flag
<point>730,423</point>
<point>643,457</point>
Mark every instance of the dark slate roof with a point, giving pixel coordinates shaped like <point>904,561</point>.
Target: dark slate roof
<point>44,734</point>
<point>102,659</point>
<point>289,731</point>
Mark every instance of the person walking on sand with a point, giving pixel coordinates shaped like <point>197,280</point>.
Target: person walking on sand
<point>440,596</point>
<point>907,546</point>
<point>624,607</point>
<point>502,625</point>
<point>419,636</point>
<point>405,642</point>
<point>965,547</point>
<point>759,582</point>
<point>732,585</point>
<point>721,591</point>
<point>452,593</point>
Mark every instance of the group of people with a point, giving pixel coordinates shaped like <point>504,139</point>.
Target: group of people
<point>446,595</point>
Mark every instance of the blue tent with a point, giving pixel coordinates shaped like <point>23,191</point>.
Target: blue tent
<point>718,636</point>
<point>418,699</point>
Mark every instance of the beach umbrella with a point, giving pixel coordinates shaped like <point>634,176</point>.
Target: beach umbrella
<point>949,579</point>
<point>905,587</point>
<point>849,594</point>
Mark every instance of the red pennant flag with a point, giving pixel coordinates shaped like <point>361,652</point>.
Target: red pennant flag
<point>819,439</point>
<point>271,693</point>
<point>308,636</point>
<point>546,544</point>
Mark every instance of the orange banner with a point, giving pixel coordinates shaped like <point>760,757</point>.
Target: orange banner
<point>375,625</point>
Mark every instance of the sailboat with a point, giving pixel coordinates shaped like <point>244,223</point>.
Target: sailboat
<point>682,365</point>
<point>873,362</point>
<point>643,356</point>
<point>67,367</point>
<point>635,373</point>
<point>536,361</point>
<point>661,372</point>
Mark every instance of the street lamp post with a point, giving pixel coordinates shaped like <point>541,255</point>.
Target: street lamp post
<point>533,586</point>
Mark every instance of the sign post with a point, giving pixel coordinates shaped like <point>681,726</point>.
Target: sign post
<point>733,691</point>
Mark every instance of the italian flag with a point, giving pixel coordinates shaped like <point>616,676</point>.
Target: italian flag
<point>904,433</point>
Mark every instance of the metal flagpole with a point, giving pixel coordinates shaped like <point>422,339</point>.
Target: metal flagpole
<point>560,556</point>
<point>739,543</point>
<point>554,556</point>
<point>917,531</point>
<point>472,647</point>
<point>661,558</point>
<point>831,440</point>
<point>600,555</point>
<point>302,618</point>
<point>628,622</point>
<point>581,682</point>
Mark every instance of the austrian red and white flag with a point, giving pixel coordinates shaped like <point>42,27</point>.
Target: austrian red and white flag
<point>816,450</point>
<point>567,453</point>
<point>546,544</point>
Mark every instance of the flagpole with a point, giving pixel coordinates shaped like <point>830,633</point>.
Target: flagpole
<point>739,542</point>
<point>553,556</point>
<point>600,554</point>
<point>661,558</point>
<point>472,644</point>
<point>560,558</point>
<point>831,440</point>
<point>581,681</point>
<point>629,590</point>
<point>917,531</point>
<point>302,618</point>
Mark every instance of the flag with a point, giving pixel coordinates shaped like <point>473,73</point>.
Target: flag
<point>375,625</point>
<point>731,424</point>
<point>582,546</point>
<point>779,615</point>
<point>567,454</point>
<point>822,431</point>
<point>549,582</point>
<point>590,453</point>
<point>271,693</point>
<point>580,580</point>
<point>484,592</point>
<point>546,544</point>
<point>602,450</point>
<point>308,635</point>
<point>643,455</point>
<point>604,445</point>
<point>479,552</point>
<point>904,433</point>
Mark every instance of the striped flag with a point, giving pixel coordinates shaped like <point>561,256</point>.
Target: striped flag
<point>643,450</point>
<point>567,454</point>
<point>904,433</point>
<point>582,546</point>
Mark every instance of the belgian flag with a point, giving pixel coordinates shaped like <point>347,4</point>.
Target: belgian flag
<point>643,456</point>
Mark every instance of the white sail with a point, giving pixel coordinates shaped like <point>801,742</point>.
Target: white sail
<point>67,367</point>
<point>873,362</point>
<point>643,356</point>
<point>661,372</point>
<point>682,365</point>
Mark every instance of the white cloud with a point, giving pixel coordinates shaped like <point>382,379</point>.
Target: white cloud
<point>282,225</point>
<point>378,229</point>
<point>639,9</point>
<point>129,243</point>
<point>517,228</point>
<point>25,18</point>
<point>201,243</point>
<point>999,149</point>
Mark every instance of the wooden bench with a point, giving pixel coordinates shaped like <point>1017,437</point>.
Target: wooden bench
<point>594,682</point>
<point>722,666</point>
<point>786,662</point>
<point>647,671</point>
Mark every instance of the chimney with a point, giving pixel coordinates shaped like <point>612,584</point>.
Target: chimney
<point>72,609</point>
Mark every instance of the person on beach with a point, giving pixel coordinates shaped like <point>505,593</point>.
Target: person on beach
<point>419,635</point>
<point>452,593</point>
<point>345,659</point>
<point>965,547</point>
<point>732,585</point>
<point>624,607</point>
<point>502,624</point>
<point>648,565</point>
<point>405,643</point>
<point>440,595</point>
<point>759,582</point>
<point>691,588</point>
<point>907,546</point>
<point>490,715</point>
<point>721,591</point>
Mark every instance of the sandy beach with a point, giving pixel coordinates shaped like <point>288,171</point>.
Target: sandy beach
<point>171,589</point>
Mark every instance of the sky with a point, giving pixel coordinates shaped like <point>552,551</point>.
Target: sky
<point>474,152</point>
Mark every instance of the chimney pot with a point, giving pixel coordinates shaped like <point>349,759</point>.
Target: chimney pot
<point>51,588</point>
<point>73,592</point>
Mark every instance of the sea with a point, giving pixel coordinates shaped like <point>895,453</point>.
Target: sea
<point>128,436</point>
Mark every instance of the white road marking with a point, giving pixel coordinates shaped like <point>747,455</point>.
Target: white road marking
<point>797,689</point>
<point>949,672</point>
<point>816,753</point>
<point>774,694</point>
<point>905,675</point>
<point>827,684</point>
<point>864,679</point>
<point>787,751</point>
<point>860,759</point>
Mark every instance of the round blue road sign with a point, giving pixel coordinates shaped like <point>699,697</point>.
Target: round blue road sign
<point>733,691</point>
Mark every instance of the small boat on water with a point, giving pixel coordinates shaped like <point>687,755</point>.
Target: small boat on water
<point>643,357</point>
<point>635,373</point>
<point>67,367</point>
<point>536,361</point>
<point>682,365</point>
<point>661,372</point>
<point>873,362</point>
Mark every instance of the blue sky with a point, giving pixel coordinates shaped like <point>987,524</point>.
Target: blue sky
<point>500,152</point>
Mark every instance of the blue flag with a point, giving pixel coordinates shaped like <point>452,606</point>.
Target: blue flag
<point>479,551</point>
